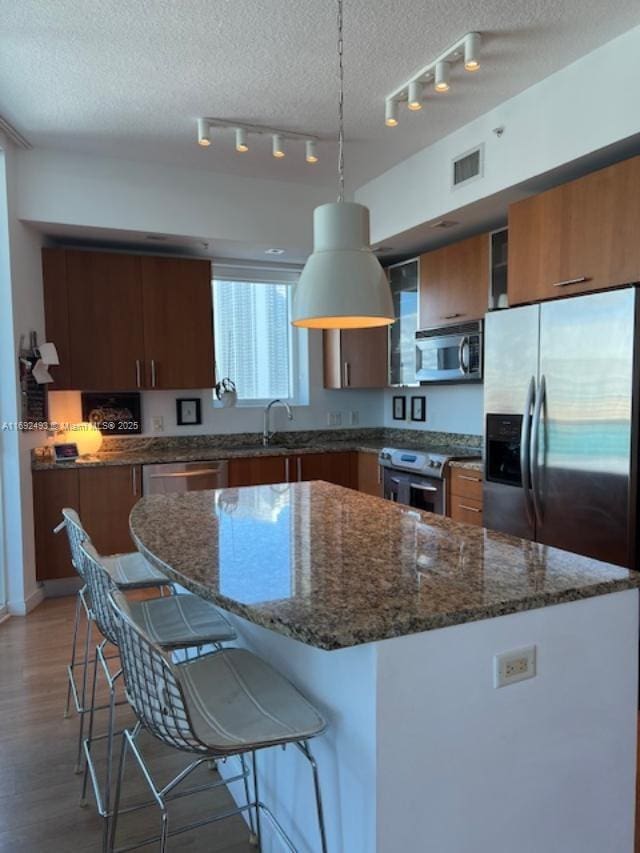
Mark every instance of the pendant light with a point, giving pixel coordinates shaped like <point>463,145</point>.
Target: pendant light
<point>342,285</point>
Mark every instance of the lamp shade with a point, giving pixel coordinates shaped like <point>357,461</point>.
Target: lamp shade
<point>86,435</point>
<point>342,285</point>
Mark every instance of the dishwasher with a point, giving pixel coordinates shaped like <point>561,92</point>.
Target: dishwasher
<point>174,477</point>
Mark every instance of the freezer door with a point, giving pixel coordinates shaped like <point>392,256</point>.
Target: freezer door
<point>511,366</point>
<point>581,435</point>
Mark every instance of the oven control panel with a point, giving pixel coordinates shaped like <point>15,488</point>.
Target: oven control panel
<point>429,464</point>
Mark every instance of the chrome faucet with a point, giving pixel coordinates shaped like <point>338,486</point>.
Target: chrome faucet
<point>267,435</point>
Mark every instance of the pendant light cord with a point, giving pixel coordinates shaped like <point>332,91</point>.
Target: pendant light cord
<point>340,107</point>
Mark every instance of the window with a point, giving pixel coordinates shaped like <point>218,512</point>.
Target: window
<point>253,338</point>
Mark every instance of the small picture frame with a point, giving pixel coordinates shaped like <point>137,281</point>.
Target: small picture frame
<point>418,408</point>
<point>188,411</point>
<point>67,452</point>
<point>399,408</point>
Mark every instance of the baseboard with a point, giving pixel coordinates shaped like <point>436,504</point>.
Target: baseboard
<point>61,587</point>
<point>21,608</point>
<point>4,613</point>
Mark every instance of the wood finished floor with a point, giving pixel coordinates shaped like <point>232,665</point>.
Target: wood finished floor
<point>39,792</point>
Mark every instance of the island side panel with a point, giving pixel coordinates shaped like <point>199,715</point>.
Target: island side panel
<point>341,684</point>
<point>544,764</point>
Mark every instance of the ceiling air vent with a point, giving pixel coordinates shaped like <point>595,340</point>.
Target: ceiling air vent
<point>468,166</point>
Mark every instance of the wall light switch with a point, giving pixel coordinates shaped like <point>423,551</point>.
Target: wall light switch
<point>157,423</point>
<point>516,665</point>
<point>334,418</point>
<point>354,418</point>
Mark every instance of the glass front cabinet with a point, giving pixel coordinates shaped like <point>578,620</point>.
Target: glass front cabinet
<point>404,279</point>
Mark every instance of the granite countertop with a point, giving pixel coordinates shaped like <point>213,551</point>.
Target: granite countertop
<point>150,451</point>
<point>468,464</point>
<point>334,568</point>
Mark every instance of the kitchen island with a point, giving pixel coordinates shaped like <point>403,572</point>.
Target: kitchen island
<point>390,619</point>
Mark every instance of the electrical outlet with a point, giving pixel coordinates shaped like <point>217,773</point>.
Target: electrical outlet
<point>334,418</point>
<point>354,418</point>
<point>157,423</point>
<point>513,666</point>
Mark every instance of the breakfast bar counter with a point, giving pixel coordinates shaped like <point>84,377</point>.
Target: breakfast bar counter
<point>390,620</point>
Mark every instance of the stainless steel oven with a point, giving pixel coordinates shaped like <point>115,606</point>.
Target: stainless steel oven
<point>450,354</point>
<point>425,493</point>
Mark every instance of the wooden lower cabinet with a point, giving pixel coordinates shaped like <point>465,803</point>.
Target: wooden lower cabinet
<point>103,497</point>
<point>465,495</point>
<point>53,490</point>
<point>258,470</point>
<point>338,468</point>
<point>107,496</point>
<point>369,474</point>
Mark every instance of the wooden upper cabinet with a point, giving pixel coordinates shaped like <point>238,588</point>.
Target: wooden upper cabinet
<point>56,312</point>
<point>578,237</point>
<point>178,322</point>
<point>356,358</point>
<point>106,343</point>
<point>454,283</point>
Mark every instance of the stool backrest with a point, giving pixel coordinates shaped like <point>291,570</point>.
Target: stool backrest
<point>99,583</point>
<point>152,687</point>
<point>76,535</point>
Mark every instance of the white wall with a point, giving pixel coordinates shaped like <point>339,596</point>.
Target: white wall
<point>450,408</point>
<point>22,311</point>
<point>588,105</point>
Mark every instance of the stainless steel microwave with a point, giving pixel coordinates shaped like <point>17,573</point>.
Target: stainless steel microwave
<point>450,354</point>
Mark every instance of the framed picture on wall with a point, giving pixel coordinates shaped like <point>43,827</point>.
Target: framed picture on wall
<point>188,411</point>
<point>399,408</point>
<point>418,409</point>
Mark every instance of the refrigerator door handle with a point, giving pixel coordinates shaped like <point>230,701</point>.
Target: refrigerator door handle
<point>535,444</point>
<point>525,444</point>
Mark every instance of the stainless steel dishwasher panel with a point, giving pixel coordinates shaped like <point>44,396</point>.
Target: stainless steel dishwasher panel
<point>176,477</point>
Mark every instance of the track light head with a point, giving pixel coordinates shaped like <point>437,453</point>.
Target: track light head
<point>311,151</point>
<point>391,112</point>
<point>204,133</point>
<point>277,148</point>
<point>414,100</point>
<point>441,83</point>
<point>472,52</point>
<point>241,140</point>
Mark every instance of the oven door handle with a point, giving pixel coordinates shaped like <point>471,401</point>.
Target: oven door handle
<point>525,448</point>
<point>464,367</point>
<point>422,488</point>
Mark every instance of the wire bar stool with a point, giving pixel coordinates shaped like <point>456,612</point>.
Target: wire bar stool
<point>130,571</point>
<point>176,622</point>
<point>226,703</point>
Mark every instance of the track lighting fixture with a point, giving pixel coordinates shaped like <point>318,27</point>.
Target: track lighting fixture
<point>277,146</point>
<point>441,83</point>
<point>241,140</point>
<point>471,52</point>
<point>204,137</point>
<point>414,98</point>
<point>437,74</point>
<point>311,151</point>
<point>391,113</point>
<point>279,137</point>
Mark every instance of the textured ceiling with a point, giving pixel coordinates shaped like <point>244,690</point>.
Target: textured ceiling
<point>127,78</point>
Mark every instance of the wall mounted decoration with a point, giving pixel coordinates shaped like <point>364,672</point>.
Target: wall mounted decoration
<point>113,414</point>
<point>418,408</point>
<point>399,408</point>
<point>188,411</point>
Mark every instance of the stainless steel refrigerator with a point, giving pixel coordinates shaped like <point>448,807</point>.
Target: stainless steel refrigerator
<point>560,415</point>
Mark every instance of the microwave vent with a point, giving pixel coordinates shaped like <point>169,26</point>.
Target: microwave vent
<point>468,166</point>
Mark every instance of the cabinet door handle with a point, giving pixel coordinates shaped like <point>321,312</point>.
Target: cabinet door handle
<point>286,470</point>
<point>379,474</point>
<point>299,466</point>
<point>567,281</point>
<point>153,373</point>
<point>138,374</point>
<point>134,480</point>
<point>472,479</point>
<point>452,316</point>
<point>469,508</point>
<point>346,374</point>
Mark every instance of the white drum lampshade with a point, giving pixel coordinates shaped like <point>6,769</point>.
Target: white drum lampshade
<point>342,285</point>
<point>87,436</point>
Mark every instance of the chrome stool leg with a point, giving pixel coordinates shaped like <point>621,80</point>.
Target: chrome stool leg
<point>72,664</point>
<point>83,695</point>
